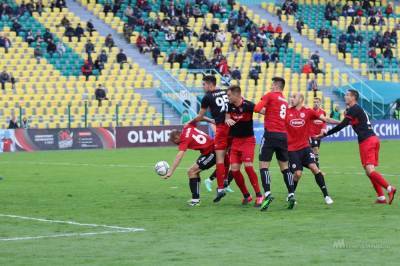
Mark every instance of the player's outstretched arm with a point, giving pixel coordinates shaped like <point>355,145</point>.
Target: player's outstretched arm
<point>175,164</point>
<point>260,107</point>
<point>200,116</point>
<point>345,122</point>
<point>329,120</point>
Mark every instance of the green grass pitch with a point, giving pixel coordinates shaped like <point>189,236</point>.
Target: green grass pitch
<point>120,188</point>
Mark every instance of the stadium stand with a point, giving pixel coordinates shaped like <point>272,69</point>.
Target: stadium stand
<point>48,87</point>
<point>365,35</point>
<point>221,55</point>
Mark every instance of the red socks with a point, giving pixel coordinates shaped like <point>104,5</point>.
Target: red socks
<point>378,188</point>
<point>239,179</point>
<point>378,180</point>
<point>220,175</point>
<point>253,178</point>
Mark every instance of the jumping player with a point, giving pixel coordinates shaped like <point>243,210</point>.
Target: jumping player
<point>216,101</point>
<point>317,127</point>
<point>195,139</point>
<point>274,106</point>
<point>298,121</point>
<point>240,120</point>
<point>368,144</point>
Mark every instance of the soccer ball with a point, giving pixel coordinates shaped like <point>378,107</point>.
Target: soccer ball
<point>161,168</point>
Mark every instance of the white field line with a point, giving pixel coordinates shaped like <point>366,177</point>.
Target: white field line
<point>64,235</point>
<point>115,229</point>
<point>132,229</point>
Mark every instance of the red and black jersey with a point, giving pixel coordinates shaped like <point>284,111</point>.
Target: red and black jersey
<point>317,125</point>
<point>217,102</point>
<point>358,119</point>
<point>275,112</point>
<point>243,115</point>
<point>195,139</point>
<point>298,123</point>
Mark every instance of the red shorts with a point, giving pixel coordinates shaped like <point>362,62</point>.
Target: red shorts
<point>369,151</point>
<point>221,137</point>
<point>242,150</point>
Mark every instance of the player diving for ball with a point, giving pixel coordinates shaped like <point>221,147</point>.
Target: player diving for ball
<point>193,138</point>
<point>298,121</point>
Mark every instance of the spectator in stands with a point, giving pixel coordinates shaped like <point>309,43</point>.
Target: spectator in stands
<point>359,39</point>
<point>127,30</point>
<point>351,29</point>
<point>98,64</point>
<point>335,114</point>
<point>29,38</point>
<point>103,57</point>
<point>39,7</point>
<point>372,54</point>
<point>90,27</point>
<point>275,56</point>
<point>141,44</point>
<point>5,43</point>
<point>315,58</point>
<point>307,68</point>
<point>223,67</point>
<point>254,74</point>
<point>87,69</point>
<point>121,58</point>
<point>257,56</point>
<point>286,40</point>
<point>278,42</point>
<point>100,95</point>
<point>64,22</point>
<point>279,29</point>
<point>342,48</point>
<point>89,48</point>
<point>312,86</point>
<point>24,123</point>
<point>61,49</point>
<point>38,53</point>
<point>13,123</point>
<point>51,48</point>
<point>69,32</point>
<point>156,53</point>
<point>107,7</point>
<point>4,77</point>
<point>299,25</point>
<point>16,26</point>
<point>237,42</point>
<point>109,42</point>
<point>47,36</point>
<point>236,75</point>
<point>389,10</point>
<point>79,32</point>
<point>388,53</point>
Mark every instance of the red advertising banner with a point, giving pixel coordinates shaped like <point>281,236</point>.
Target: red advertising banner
<point>64,139</point>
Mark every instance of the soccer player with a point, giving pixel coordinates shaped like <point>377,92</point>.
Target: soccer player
<point>240,119</point>
<point>317,127</point>
<point>216,101</point>
<point>368,144</point>
<point>274,106</point>
<point>298,121</point>
<point>195,139</point>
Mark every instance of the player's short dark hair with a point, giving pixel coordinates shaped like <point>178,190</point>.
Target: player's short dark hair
<point>280,81</point>
<point>235,89</point>
<point>354,93</point>
<point>174,134</point>
<point>210,79</point>
<point>317,98</point>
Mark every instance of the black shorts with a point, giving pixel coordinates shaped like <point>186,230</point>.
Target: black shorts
<point>315,142</point>
<point>301,158</point>
<point>206,161</point>
<point>271,145</point>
